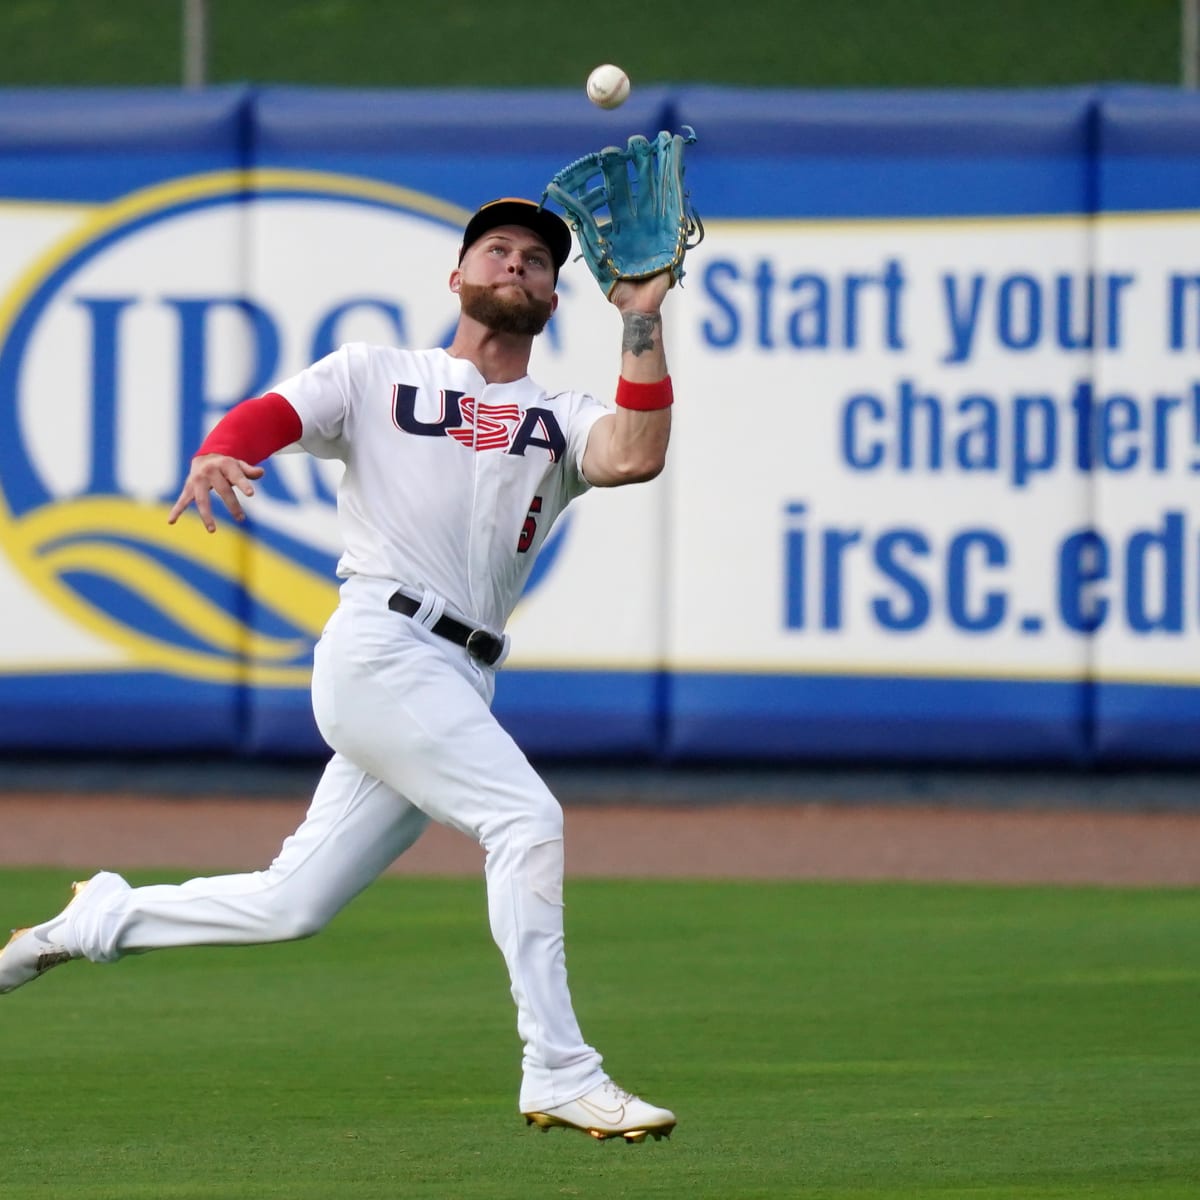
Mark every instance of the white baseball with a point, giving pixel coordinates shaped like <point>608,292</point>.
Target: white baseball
<point>608,86</point>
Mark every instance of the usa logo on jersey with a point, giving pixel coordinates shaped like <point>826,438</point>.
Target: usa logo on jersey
<point>481,426</point>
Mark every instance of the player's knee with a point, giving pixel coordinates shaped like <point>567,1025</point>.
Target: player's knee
<point>298,923</point>
<point>542,829</point>
<point>544,870</point>
<point>288,916</point>
<point>539,839</point>
<point>544,822</point>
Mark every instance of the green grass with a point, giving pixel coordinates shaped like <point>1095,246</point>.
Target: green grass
<point>816,1040</point>
<point>529,43</point>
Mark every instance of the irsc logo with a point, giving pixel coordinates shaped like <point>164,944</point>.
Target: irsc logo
<point>127,340</point>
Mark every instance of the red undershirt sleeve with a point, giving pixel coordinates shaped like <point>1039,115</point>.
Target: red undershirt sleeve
<point>255,429</point>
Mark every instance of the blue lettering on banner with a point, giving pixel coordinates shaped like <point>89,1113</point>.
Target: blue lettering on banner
<point>895,555</point>
<point>105,314</point>
<point>1022,312</point>
<point>199,407</point>
<point>195,402</point>
<point>803,310</point>
<point>906,579</point>
<point>326,339</point>
<point>1181,287</point>
<point>1023,436</point>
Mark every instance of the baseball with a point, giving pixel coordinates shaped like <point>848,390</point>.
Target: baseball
<point>608,86</point>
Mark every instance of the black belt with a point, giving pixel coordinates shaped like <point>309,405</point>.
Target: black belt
<point>480,643</point>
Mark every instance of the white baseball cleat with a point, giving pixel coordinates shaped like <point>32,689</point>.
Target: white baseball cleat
<point>608,1111</point>
<point>32,952</point>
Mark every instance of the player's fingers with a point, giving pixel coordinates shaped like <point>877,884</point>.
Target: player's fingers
<point>200,494</point>
<point>197,493</point>
<point>177,508</point>
<point>240,473</point>
<point>225,477</point>
<point>225,489</point>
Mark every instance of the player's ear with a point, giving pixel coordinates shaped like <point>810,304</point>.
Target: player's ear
<point>456,280</point>
<point>554,302</point>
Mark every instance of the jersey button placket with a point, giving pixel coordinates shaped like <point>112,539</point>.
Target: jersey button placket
<point>477,468</point>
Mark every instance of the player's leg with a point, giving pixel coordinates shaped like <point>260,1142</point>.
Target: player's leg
<point>411,709</point>
<point>355,827</point>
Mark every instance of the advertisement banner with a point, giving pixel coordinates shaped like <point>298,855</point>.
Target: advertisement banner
<point>930,491</point>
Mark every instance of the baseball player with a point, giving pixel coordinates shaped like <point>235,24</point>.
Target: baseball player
<point>456,465</point>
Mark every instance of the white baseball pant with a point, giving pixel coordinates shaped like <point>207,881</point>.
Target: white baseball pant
<point>407,714</point>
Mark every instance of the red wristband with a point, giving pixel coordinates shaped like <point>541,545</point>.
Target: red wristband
<point>255,429</point>
<point>645,397</point>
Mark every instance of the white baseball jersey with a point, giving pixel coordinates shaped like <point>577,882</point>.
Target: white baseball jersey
<point>451,483</point>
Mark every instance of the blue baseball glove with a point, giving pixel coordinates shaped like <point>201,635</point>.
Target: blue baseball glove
<point>629,209</point>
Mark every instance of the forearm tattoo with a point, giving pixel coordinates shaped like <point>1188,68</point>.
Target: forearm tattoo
<point>639,331</point>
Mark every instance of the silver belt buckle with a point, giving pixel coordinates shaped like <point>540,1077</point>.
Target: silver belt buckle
<point>479,643</point>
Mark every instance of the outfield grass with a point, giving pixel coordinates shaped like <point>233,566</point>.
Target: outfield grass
<point>527,43</point>
<point>816,1040</point>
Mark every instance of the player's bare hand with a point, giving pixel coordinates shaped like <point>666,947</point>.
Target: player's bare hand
<point>641,295</point>
<point>219,473</point>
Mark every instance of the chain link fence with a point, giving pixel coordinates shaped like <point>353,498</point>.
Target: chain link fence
<point>998,43</point>
<point>528,43</point>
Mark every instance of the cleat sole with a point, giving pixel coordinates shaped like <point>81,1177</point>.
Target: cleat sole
<point>632,1137</point>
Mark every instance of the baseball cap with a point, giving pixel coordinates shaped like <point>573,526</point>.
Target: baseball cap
<point>512,210</point>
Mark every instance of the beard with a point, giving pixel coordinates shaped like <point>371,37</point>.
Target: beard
<point>505,313</point>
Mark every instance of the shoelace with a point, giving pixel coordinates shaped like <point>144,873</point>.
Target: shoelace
<point>617,1092</point>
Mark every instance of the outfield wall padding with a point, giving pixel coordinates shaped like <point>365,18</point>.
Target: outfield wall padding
<point>932,486</point>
